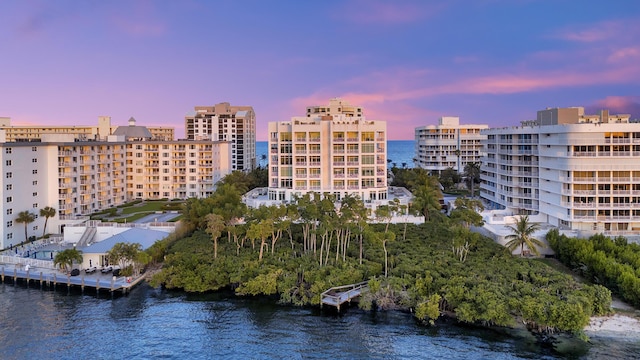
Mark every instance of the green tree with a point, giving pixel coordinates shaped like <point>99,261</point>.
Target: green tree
<point>449,177</point>
<point>467,211</point>
<point>65,258</point>
<point>522,235</point>
<point>47,212</point>
<point>26,218</point>
<point>427,197</point>
<point>215,225</point>
<point>124,254</point>
<point>472,173</point>
<point>260,230</point>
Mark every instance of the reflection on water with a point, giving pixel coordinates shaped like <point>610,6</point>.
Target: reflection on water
<point>150,323</point>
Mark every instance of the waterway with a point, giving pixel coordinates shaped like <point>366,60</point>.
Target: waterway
<point>151,323</point>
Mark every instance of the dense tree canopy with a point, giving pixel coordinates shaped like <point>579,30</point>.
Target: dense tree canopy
<point>440,266</point>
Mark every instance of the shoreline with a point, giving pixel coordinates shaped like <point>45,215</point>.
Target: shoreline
<point>617,325</point>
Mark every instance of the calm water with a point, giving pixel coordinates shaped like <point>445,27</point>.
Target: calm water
<point>398,151</point>
<point>150,323</point>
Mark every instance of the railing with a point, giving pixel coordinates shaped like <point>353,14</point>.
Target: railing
<point>46,264</point>
<point>338,295</point>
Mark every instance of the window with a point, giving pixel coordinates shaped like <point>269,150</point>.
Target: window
<point>35,206</point>
<point>8,162</point>
<point>35,227</point>
<point>9,211</point>
<point>34,182</point>
<point>10,223</point>
<point>35,193</point>
<point>7,150</point>
<point>9,187</point>
<point>9,199</point>
<point>139,186</point>
<point>34,160</point>
<point>9,236</point>
<point>34,171</point>
<point>33,148</point>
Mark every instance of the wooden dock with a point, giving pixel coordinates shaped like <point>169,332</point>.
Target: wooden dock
<point>52,279</point>
<point>339,295</point>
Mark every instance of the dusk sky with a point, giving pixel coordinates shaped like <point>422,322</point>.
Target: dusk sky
<point>406,62</point>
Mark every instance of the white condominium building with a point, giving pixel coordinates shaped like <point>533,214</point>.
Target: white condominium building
<point>448,145</point>
<point>223,122</point>
<point>575,171</point>
<point>333,149</point>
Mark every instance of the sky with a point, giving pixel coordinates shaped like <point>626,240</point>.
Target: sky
<point>407,62</point>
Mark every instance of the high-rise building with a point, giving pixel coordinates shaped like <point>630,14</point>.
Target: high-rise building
<point>448,145</point>
<point>223,122</point>
<point>572,170</point>
<point>332,149</point>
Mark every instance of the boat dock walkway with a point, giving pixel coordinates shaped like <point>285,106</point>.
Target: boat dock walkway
<point>52,278</point>
<point>339,295</point>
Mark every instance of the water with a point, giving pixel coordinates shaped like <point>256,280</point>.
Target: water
<point>398,151</point>
<point>151,323</point>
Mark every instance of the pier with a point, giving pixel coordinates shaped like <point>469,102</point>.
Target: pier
<point>51,279</point>
<point>339,295</point>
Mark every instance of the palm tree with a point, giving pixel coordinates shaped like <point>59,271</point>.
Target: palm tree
<point>427,198</point>
<point>522,234</point>
<point>26,218</point>
<point>47,212</point>
<point>66,258</point>
<point>215,225</point>
<point>472,172</point>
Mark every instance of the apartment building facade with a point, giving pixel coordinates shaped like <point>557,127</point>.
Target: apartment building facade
<point>333,149</point>
<point>448,145</point>
<point>570,169</point>
<point>224,122</point>
<point>78,177</point>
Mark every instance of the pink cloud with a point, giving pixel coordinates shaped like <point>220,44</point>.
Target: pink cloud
<point>617,104</point>
<point>625,54</point>
<point>386,12</point>
<point>618,30</point>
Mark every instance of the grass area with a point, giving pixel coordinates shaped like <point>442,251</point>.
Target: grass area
<point>151,206</point>
<point>133,217</point>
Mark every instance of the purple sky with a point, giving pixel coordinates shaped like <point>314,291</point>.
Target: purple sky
<point>406,62</point>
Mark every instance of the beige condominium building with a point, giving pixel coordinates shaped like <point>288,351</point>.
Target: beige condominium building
<point>13,133</point>
<point>448,145</point>
<point>570,169</point>
<point>332,149</point>
<point>223,122</point>
<point>79,176</point>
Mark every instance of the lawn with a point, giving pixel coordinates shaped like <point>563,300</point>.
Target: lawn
<point>148,206</point>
